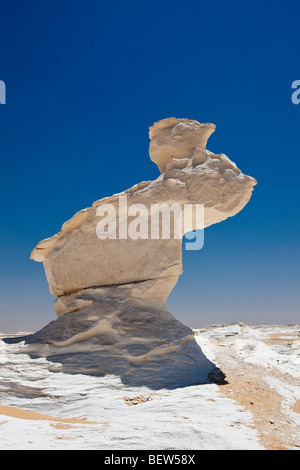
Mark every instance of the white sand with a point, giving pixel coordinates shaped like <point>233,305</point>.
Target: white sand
<point>44,409</point>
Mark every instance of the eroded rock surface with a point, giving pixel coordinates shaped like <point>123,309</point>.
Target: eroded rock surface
<point>112,292</point>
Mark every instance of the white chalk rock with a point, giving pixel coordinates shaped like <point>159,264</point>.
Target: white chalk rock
<point>177,138</point>
<point>75,258</point>
<point>138,270</point>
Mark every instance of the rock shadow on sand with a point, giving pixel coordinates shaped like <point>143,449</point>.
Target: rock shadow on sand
<point>170,360</point>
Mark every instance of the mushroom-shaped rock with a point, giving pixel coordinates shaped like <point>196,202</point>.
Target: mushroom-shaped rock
<point>112,290</point>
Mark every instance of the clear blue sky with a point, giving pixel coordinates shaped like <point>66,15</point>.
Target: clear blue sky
<point>85,80</point>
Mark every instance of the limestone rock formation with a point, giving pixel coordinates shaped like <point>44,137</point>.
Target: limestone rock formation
<point>112,292</point>
<point>177,138</point>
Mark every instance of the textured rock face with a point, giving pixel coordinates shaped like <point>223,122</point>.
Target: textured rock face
<point>177,138</point>
<point>75,258</point>
<point>112,292</point>
<point>126,331</point>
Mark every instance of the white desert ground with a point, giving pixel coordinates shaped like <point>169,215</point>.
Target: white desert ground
<point>251,399</point>
<point>116,370</point>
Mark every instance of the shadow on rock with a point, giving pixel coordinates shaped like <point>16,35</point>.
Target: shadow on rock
<point>160,359</point>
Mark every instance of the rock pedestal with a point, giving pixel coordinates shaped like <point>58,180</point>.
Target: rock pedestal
<point>112,289</point>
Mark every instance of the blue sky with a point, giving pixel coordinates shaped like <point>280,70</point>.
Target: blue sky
<point>84,82</point>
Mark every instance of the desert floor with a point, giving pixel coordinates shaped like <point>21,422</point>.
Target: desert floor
<point>251,400</point>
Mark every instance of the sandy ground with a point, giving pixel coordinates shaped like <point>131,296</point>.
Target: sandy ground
<point>14,412</point>
<point>248,384</point>
<point>251,400</point>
